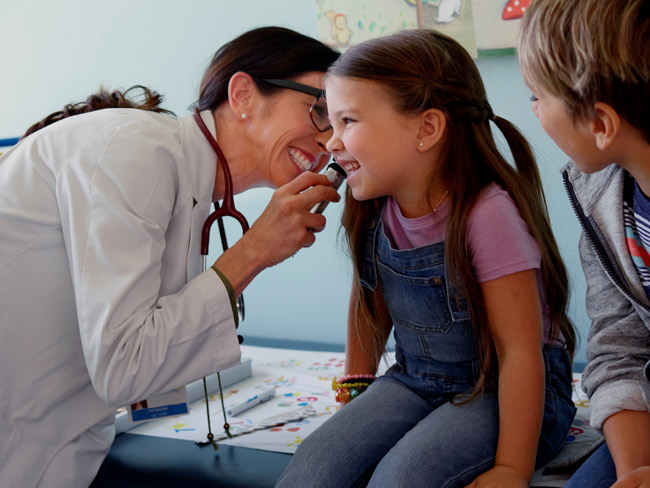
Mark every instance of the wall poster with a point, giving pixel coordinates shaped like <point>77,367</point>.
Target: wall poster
<point>484,27</point>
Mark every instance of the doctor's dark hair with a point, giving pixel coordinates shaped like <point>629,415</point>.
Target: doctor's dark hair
<point>267,52</point>
<point>146,99</point>
<point>420,70</point>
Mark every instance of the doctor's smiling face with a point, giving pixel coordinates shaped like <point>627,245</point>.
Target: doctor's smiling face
<point>286,136</point>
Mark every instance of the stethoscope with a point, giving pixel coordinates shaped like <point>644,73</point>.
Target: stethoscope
<point>227,209</point>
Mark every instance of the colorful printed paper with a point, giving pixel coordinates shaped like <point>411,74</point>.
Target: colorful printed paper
<point>301,378</point>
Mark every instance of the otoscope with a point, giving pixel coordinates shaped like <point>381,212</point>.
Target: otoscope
<point>336,176</point>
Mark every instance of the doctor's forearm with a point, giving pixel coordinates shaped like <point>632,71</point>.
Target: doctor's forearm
<point>239,265</point>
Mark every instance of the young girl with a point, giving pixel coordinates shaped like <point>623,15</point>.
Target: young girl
<point>452,248</point>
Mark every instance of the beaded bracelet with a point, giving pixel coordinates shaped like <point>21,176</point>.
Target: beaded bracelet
<point>347,389</point>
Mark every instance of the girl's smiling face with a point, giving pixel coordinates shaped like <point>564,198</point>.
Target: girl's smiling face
<point>374,142</point>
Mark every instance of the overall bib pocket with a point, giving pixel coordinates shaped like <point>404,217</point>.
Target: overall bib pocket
<point>427,323</point>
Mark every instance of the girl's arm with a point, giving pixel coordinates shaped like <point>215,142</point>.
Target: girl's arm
<point>514,315</point>
<point>360,355</point>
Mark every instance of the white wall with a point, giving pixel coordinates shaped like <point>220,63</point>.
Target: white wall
<point>56,52</point>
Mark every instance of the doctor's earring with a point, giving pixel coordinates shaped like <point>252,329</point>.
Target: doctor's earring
<point>243,116</point>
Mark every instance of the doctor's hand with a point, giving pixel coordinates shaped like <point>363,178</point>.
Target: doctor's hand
<point>285,226</point>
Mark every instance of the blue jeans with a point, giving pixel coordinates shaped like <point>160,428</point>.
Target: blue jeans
<point>404,431</point>
<point>390,436</point>
<point>597,472</point>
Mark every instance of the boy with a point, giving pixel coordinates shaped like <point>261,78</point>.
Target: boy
<point>587,63</point>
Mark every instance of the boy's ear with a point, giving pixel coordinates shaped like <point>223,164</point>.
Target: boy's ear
<point>605,126</point>
<point>433,124</point>
<point>241,94</point>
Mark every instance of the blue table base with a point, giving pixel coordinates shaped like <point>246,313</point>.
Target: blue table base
<point>146,461</point>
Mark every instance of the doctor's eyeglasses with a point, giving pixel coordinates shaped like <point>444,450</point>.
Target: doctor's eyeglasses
<point>318,109</point>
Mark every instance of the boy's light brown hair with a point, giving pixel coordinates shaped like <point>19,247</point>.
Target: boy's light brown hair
<point>588,51</point>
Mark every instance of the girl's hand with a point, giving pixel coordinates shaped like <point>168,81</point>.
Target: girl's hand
<point>639,478</point>
<point>499,477</point>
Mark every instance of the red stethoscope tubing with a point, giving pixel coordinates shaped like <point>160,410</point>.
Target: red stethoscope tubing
<point>227,208</point>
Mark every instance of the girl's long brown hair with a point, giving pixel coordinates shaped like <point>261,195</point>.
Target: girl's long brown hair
<point>423,69</point>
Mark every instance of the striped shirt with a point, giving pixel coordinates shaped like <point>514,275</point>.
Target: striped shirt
<point>636,214</point>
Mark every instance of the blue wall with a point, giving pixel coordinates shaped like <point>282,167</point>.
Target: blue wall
<point>54,53</point>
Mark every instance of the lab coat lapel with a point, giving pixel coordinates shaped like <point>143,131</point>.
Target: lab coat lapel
<point>194,258</point>
<point>202,162</point>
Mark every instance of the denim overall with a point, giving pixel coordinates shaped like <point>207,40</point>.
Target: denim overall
<point>435,348</point>
<point>403,430</point>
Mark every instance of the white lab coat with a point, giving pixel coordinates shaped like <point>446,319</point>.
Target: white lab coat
<point>103,299</point>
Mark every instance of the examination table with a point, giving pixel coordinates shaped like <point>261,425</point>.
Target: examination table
<point>162,453</point>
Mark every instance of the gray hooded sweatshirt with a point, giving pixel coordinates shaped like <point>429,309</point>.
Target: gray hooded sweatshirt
<point>618,350</point>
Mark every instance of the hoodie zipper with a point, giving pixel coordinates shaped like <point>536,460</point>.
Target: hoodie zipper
<point>600,245</point>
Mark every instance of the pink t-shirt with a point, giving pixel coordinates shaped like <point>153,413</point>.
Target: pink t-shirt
<point>499,239</point>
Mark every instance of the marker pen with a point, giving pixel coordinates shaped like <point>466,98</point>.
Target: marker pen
<point>251,402</point>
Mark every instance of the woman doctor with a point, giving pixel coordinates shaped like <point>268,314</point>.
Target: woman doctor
<point>103,297</point>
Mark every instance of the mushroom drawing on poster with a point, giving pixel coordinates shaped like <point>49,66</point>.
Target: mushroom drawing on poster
<point>498,28</point>
<point>483,27</point>
<point>515,9</point>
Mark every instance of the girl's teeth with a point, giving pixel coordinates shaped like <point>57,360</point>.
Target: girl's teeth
<point>350,167</point>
